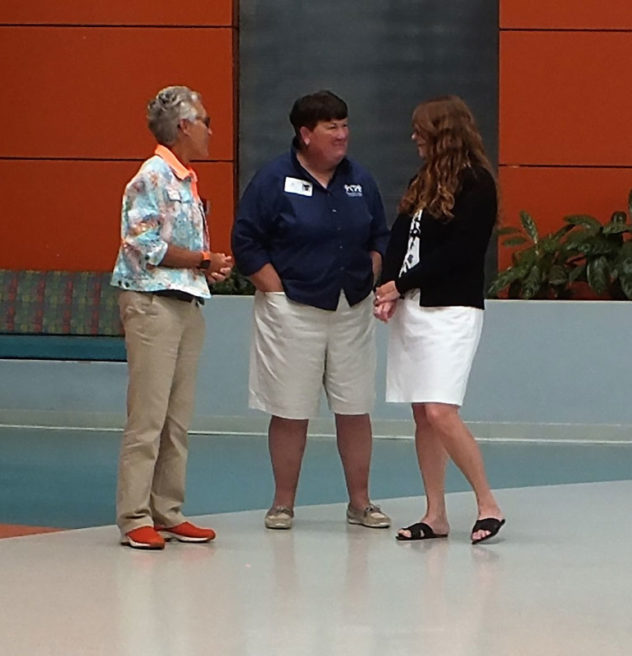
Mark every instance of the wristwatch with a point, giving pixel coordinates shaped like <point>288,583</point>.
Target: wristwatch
<point>205,262</point>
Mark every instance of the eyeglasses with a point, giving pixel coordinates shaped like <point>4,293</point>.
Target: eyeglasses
<point>204,119</point>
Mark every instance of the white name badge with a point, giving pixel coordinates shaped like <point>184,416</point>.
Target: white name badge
<point>296,186</point>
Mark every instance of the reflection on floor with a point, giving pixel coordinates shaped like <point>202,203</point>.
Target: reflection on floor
<point>555,582</point>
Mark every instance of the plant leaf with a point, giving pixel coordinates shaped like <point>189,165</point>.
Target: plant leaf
<point>577,273</point>
<point>585,220</point>
<point>605,246</point>
<point>503,279</point>
<point>507,230</point>
<point>582,246</point>
<point>549,245</point>
<point>626,285</point>
<point>598,275</point>
<point>591,245</point>
<point>529,225</point>
<point>619,217</point>
<point>515,241</point>
<point>558,275</point>
<point>525,258</point>
<point>562,231</point>
<point>625,266</point>
<point>577,237</point>
<point>532,282</point>
<point>236,284</point>
<point>616,228</point>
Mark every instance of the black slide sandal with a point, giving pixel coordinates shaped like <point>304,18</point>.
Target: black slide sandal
<point>419,531</point>
<point>490,524</point>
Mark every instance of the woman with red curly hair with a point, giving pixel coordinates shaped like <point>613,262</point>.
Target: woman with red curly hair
<point>432,294</point>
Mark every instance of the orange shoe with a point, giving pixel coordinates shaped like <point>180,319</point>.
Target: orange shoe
<point>144,537</point>
<point>186,532</point>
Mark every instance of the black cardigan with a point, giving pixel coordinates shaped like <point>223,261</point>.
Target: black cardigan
<point>451,251</point>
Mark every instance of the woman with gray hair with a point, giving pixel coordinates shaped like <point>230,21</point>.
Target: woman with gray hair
<point>167,109</point>
<point>164,268</point>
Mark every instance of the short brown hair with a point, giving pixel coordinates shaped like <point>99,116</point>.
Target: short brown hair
<point>310,110</point>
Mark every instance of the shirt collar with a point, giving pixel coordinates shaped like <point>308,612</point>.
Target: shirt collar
<point>181,171</point>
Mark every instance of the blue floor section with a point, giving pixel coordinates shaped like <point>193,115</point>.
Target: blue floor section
<point>68,479</point>
<point>63,347</point>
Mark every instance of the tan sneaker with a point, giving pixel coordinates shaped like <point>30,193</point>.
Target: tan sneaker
<point>279,517</point>
<point>371,516</point>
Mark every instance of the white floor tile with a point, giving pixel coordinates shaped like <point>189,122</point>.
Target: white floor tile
<point>557,581</point>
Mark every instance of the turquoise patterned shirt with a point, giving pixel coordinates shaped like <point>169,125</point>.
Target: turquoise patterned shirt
<point>161,206</point>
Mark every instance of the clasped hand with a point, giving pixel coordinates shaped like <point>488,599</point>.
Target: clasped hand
<point>220,268</point>
<point>386,297</point>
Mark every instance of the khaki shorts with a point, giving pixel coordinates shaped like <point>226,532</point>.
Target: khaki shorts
<point>297,349</point>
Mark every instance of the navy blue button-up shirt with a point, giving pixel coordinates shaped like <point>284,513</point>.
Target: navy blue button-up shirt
<point>318,239</point>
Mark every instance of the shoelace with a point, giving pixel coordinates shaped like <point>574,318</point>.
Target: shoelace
<point>372,508</point>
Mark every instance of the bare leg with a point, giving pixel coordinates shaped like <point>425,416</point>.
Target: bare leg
<point>463,449</point>
<point>354,445</point>
<point>286,442</point>
<point>432,458</point>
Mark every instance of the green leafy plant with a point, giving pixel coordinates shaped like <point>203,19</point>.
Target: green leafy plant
<point>601,255</point>
<point>582,251</point>
<point>236,284</point>
<point>540,269</point>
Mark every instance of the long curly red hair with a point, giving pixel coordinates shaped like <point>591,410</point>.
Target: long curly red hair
<point>452,143</point>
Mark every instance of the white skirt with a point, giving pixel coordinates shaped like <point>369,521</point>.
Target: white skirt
<point>430,352</point>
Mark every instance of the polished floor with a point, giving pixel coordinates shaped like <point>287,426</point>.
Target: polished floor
<point>557,581</point>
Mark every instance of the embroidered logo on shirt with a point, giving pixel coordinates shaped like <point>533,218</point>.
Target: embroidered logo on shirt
<point>296,186</point>
<point>354,190</point>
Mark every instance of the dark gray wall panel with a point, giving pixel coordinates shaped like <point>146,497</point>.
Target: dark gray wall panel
<point>381,56</point>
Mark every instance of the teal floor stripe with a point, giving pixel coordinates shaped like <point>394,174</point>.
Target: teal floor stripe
<point>67,480</point>
<point>62,347</point>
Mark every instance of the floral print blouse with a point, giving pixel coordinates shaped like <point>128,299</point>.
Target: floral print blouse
<point>161,206</point>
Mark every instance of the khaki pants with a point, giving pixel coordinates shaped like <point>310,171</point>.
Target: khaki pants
<point>164,338</point>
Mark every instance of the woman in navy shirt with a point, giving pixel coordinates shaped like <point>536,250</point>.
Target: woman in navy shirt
<point>310,233</point>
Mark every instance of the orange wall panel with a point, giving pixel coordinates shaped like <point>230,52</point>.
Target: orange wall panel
<point>565,98</point>
<point>65,215</point>
<point>550,194</point>
<point>82,92</point>
<point>566,14</point>
<point>117,12</point>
